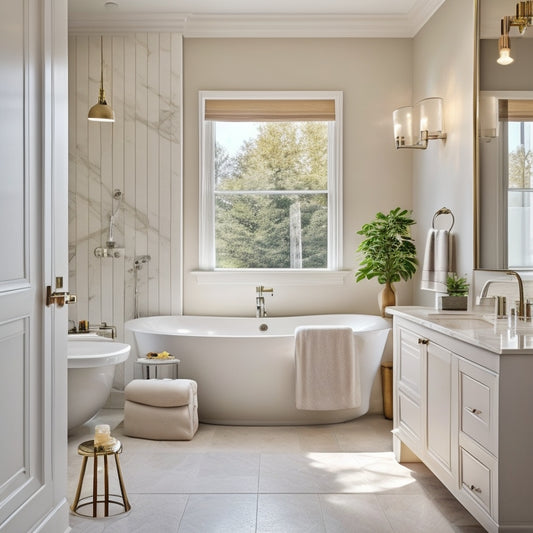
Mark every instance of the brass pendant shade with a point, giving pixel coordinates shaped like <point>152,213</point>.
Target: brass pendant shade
<point>101,111</point>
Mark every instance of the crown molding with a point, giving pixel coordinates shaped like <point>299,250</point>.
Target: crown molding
<point>421,12</point>
<point>129,22</point>
<point>264,26</point>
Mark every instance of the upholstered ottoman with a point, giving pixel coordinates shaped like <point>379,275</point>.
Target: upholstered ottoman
<point>161,409</point>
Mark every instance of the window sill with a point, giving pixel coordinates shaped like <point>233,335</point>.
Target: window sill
<point>269,277</point>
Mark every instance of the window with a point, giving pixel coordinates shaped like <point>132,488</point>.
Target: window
<point>270,195</point>
<point>516,117</point>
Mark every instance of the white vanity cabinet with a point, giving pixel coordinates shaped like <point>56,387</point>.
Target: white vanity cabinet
<point>467,412</point>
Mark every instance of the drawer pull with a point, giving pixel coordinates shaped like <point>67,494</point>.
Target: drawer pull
<point>473,488</point>
<point>473,410</point>
<point>423,341</point>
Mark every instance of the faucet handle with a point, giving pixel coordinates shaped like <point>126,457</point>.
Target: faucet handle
<point>270,289</point>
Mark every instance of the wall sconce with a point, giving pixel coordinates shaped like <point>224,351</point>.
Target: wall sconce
<point>523,19</point>
<point>426,116</point>
<point>488,117</point>
<point>101,111</point>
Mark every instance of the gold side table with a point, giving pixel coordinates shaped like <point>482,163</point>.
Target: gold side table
<point>87,449</point>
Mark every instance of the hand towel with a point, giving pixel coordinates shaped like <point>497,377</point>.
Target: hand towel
<point>327,369</point>
<point>438,260</point>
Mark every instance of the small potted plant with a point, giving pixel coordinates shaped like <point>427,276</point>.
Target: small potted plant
<point>389,252</point>
<point>457,298</point>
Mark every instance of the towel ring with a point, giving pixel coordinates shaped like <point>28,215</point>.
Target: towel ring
<point>443,211</point>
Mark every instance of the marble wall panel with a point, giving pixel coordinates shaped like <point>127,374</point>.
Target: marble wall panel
<point>140,155</point>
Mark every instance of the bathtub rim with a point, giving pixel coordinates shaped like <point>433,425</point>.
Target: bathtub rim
<point>136,325</point>
<point>115,353</point>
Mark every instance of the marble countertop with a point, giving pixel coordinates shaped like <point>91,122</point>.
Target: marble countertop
<point>480,330</point>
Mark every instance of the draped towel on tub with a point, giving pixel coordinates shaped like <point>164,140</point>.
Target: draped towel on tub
<point>327,368</point>
<point>438,260</point>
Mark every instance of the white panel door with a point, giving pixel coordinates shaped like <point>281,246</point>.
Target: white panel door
<point>33,217</point>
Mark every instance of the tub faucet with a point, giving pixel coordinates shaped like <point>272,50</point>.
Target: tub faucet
<point>260,309</point>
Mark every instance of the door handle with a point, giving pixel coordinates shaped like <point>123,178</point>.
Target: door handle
<point>59,297</point>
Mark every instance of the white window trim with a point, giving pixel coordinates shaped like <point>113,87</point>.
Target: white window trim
<point>206,201</point>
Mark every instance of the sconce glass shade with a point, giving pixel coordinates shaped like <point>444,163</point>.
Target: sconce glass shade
<point>488,116</point>
<point>431,120</point>
<point>403,126</point>
<point>505,57</point>
<point>504,43</point>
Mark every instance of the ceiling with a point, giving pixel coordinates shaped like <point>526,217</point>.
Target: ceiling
<point>373,18</point>
<point>352,7</point>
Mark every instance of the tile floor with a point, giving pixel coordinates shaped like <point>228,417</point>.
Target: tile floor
<point>340,478</point>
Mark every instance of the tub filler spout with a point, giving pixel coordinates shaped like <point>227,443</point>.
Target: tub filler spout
<point>260,309</point>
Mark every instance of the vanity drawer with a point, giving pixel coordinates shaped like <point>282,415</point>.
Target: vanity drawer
<point>476,479</point>
<point>478,393</point>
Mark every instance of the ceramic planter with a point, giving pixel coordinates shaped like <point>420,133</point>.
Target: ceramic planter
<point>454,303</point>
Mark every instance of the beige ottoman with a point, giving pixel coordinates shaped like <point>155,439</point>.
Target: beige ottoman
<point>161,409</point>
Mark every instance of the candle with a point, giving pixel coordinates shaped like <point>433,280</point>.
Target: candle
<point>102,435</point>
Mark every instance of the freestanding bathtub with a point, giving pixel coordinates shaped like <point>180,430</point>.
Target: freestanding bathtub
<point>245,367</point>
<point>91,367</point>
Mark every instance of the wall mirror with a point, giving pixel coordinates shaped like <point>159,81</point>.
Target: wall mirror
<point>504,208</point>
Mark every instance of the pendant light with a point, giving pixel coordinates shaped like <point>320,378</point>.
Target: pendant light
<point>101,112</point>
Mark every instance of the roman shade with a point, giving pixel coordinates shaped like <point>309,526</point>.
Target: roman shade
<point>515,110</point>
<point>253,110</point>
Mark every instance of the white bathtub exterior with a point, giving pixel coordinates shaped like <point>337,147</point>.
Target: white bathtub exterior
<point>246,376</point>
<point>91,367</point>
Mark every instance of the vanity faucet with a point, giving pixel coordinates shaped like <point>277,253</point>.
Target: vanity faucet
<point>521,311</point>
<point>260,309</point>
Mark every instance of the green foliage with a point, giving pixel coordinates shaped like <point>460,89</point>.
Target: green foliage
<point>520,163</point>
<point>456,286</point>
<point>388,251</point>
<point>252,230</point>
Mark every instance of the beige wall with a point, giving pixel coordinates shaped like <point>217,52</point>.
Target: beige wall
<point>375,76</point>
<point>443,65</point>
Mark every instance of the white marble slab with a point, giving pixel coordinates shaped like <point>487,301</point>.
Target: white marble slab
<point>479,330</point>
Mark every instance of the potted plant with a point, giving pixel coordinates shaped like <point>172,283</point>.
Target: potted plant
<point>457,298</point>
<point>389,252</point>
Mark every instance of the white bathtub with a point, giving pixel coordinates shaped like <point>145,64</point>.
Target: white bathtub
<point>246,376</point>
<point>91,367</point>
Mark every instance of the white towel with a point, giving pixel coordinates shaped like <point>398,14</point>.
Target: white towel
<point>327,369</point>
<point>438,260</point>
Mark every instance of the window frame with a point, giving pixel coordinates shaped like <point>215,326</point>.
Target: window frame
<point>206,211</point>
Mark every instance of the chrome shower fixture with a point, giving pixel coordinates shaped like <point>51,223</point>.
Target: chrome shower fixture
<point>117,195</point>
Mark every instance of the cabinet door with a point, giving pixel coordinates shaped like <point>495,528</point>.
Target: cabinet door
<point>408,416</point>
<point>441,367</point>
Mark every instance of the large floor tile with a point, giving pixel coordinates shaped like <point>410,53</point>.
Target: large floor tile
<point>161,514</point>
<point>294,513</point>
<point>353,513</point>
<point>339,478</point>
<point>220,513</point>
<point>415,513</point>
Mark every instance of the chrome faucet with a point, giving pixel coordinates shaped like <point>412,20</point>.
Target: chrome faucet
<point>260,309</point>
<point>521,311</point>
